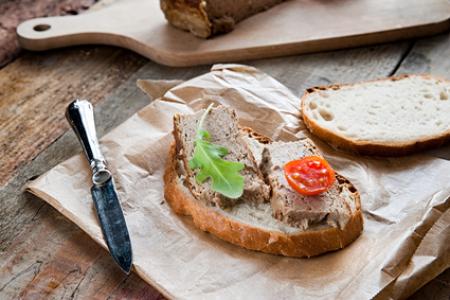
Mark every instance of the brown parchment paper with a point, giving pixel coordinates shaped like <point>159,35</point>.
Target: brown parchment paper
<point>405,243</point>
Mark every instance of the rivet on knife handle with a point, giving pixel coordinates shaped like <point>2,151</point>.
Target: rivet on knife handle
<point>80,115</point>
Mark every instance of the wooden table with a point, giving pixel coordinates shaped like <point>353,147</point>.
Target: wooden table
<point>43,255</point>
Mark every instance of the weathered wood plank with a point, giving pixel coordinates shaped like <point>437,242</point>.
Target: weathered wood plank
<point>13,12</point>
<point>24,218</point>
<point>49,256</point>
<point>23,215</point>
<point>36,88</point>
<point>94,274</point>
<point>345,66</point>
<point>429,55</point>
<point>63,262</point>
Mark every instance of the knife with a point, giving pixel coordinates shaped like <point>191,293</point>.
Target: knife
<point>80,115</point>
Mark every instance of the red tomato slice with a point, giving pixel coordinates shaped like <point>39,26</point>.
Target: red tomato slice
<point>310,175</point>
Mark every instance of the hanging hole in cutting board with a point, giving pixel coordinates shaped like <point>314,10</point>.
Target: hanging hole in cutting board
<point>41,27</point>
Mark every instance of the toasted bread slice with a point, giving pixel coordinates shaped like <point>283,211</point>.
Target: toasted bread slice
<point>387,117</point>
<point>253,226</point>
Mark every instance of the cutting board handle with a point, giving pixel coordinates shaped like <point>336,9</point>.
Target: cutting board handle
<point>54,32</point>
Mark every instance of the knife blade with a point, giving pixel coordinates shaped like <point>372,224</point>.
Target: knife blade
<point>80,115</point>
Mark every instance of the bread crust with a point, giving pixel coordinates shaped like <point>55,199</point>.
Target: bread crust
<point>213,220</point>
<point>188,15</point>
<point>370,147</point>
<point>206,18</point>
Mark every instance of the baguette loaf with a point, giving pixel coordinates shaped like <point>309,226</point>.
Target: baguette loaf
<point>324,224</point>
<point>388,117</point>
<point>205,18</point>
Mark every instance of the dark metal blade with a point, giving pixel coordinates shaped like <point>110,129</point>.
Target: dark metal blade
<point>113,223</point>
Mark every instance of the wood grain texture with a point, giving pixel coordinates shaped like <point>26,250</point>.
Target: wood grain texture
<point>307,26</point>
<point>34,237</point>
<point>22,215</point>
<point>55,259</point>
<point>36,89</point>
<point>428,56</point>
<point>42,255</point>
<point>13,12</point>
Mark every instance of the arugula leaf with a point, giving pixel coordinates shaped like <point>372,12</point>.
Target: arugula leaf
<point>208,158</point>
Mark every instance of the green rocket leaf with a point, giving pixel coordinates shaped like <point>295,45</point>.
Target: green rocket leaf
<point>208,158</point>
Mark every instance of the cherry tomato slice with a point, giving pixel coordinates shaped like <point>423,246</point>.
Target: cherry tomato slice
<point>310,175</point>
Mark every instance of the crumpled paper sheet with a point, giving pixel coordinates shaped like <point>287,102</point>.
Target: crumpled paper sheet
<point>405,243</point>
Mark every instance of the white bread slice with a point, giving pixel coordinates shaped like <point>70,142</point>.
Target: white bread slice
<point>253,226</point>
<point>387,117</point>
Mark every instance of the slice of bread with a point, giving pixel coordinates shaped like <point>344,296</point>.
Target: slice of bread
<point>387,117</point>
<point>222,125</point>
<point>251,224</point>
<point>333,207</point>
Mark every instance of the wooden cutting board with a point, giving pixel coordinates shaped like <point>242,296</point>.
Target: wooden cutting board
<point>296,26</point>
